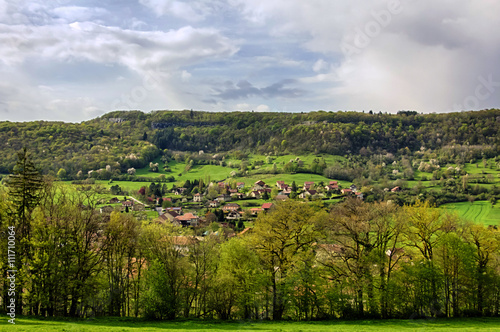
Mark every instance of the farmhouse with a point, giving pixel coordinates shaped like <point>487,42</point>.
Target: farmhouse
<point>281,185</point>
<point>213,204</point>
<point>259,185</point>
<point>187,219</point>
<point>308,185</point>
<point>168,217</point>
<point>281,197</point>
<point>332,187</point>
<point>231,207</point>
<point>346,191</point>
<point>237,195</point>
<point>307,193</point>
<point>262,191</point>
<point>267,206</point>
<point>223,198</point>
<point>182,243</point>
<point>114,200</point>
<point>255,211</point>
<point>234,215</point>
<point>179,191</point>
<point>197,197</point>
<point>127,203</point>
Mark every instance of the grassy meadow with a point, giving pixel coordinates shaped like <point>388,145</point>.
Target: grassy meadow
<point>481,212</point>
<point>130,324</point>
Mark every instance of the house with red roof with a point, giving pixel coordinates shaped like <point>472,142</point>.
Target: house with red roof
<point>267,206</point>
<point>255,211</point>
<point>281,198</point>
<point>259,185</point>
<point>231,207</point>
<point>308,193</point>
<point>346,191</point>
<point>197,197</point>
<point>187,219</point>
<point>281,185</point>
<point>254,194</point>
<point>331,187</point>
<point>308,184</point>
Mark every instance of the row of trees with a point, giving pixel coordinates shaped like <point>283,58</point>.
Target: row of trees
<point>302,263</point>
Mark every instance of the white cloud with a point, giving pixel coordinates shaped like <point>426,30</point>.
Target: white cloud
<point>425,55</point>
<point>242,107</point>
<point>175,8</point>
<point>185,76</point>
<point>320,66</point>
<point>262,108</point>
<point>137,50</point>
<point>78,14</point>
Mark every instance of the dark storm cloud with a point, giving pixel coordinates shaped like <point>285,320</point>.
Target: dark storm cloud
<point>244,89</point>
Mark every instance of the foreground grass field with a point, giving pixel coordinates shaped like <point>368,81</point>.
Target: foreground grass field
<point>130,324</point>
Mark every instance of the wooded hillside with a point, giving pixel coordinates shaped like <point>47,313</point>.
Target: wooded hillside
<point>134,138</point>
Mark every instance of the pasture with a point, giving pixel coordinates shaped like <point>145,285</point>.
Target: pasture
<point>480,212</point>
<point>132,324</point>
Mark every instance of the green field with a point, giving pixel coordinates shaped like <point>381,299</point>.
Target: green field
<point>130,324</point>
<point>218,173</point>
<point>478,212</point>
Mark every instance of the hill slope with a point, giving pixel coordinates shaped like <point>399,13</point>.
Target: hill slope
<point>132,139</point>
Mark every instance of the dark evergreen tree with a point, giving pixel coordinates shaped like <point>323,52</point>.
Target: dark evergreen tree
<point>24,186</point>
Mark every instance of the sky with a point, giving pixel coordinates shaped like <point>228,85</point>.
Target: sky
<point>70,60</point>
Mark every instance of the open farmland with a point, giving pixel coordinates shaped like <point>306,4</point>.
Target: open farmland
<point>478,212</point>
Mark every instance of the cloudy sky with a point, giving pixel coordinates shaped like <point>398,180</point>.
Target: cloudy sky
<point>74,60</point>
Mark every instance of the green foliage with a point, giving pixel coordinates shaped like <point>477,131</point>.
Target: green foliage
<point>381,259</point>
<point>105,141</point>
<point>115,324</point>
<point>115,190</point>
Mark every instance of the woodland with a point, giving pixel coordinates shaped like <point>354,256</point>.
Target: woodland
<point>389,255</point>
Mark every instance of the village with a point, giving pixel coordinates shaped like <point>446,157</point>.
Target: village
<point>229,203</point>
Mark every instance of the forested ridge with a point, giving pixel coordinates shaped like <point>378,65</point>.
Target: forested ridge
<point>133,138</point>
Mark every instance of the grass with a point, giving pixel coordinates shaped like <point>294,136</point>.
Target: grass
<point>131,324</point>
<point>299,179</point>
<point>219,172</point>
<point>478,212</point>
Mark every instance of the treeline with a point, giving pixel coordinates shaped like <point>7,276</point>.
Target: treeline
<point>132,139</point>
<point>299,262</point>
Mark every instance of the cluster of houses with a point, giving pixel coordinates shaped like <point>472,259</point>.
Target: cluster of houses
<point>126,206</point>
<point>260,189</point>
<point>176,216</point>
<point>232,210</point>
<point>226,200</point>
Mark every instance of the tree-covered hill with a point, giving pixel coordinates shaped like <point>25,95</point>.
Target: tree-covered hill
<point>132,139</point>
